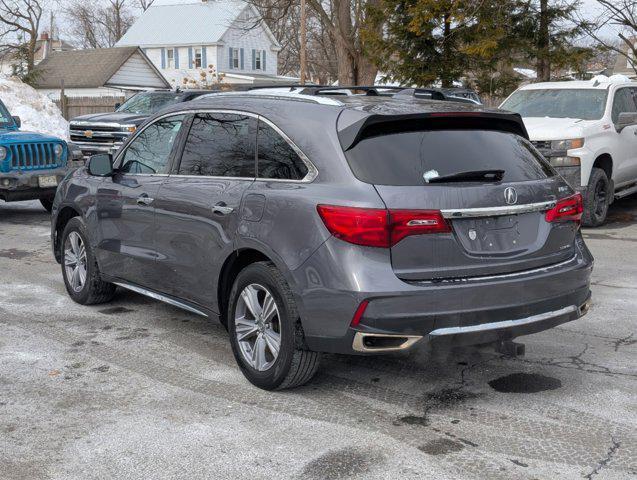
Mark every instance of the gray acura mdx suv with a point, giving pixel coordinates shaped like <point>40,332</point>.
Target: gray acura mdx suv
<point>313,224</point>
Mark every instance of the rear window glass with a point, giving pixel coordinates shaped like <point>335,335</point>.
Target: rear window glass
<point>408,158</point>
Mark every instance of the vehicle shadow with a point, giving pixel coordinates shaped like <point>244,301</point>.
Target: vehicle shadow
<point>23,213</point>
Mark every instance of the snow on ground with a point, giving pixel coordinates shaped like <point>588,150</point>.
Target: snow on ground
<point>37,112</point>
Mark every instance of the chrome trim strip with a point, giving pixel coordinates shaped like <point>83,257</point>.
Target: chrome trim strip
<point>545,269</point>
<point>358,344</point>
<point>486,327</point>
<point>101,124</point>
<point>497,211</point>
<point>160,297</point>
<point>312,170</point>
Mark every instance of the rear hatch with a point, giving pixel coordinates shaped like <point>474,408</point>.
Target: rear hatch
<point>489,183</point>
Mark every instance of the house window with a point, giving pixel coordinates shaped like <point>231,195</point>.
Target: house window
<point>198,57</point>
<point>170,58</point>
<point>235,58</point>
<point>258,62</point>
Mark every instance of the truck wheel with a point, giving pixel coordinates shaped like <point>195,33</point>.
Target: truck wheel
<point>79,267</point>
<point>266,336</point>
<point>47,203</point>
<point>597,199</point>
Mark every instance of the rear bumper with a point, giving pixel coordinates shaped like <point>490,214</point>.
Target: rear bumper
<point>467,311</point>
<point>471,334</point>
<point>24,185</point>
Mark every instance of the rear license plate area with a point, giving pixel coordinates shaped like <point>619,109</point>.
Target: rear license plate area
<point>490,234</point>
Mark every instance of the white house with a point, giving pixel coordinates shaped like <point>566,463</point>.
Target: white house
<point>184,39</point>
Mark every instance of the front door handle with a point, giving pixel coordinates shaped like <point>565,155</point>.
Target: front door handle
<point>144,200</point>
<point>222,209</point>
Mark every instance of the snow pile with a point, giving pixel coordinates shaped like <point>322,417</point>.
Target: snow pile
<point>37,112</point>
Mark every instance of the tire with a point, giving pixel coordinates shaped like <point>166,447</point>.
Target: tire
<point>92,290</point>
<point>294,365</point>
<point>47,203</point>
<point>597,199</point>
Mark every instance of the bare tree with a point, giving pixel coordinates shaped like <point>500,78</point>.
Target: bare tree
<point>145,4</point>
<point>283,18</point>
<point>336,48</point>
<point>98,23</point>
<point>622,15</point>
<point>19,26</point>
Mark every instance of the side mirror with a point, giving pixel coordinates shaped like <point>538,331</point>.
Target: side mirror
<point>117,105</point>
<point>626,119</point>
<point>101,165</point>
<point>17,121</point>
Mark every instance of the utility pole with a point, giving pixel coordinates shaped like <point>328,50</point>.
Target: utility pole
<point>303,43</point>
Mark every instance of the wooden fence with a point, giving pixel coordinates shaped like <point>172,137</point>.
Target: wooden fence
<point>72,107</point>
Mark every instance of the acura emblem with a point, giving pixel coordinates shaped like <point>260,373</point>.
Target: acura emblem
<point>510,195</point>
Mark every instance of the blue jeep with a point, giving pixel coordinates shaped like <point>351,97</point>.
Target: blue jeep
<point>31,164</point>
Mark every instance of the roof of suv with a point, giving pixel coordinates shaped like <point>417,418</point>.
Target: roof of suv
<point>378,105</point>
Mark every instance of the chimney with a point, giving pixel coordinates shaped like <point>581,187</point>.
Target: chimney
<point>46,47</point>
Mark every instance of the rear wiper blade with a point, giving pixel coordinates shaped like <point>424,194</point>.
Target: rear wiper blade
<point>470,176</point>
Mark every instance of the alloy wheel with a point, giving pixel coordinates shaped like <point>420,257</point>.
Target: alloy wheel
<point>258,327</point>
<point>75,261</point>
<point>600,198</point>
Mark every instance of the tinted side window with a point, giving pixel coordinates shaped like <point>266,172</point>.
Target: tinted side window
<point>220,145</point>
<point>624,101</point>
<point>150,150</point>
<point>276,158</point>
<point>410,158</point>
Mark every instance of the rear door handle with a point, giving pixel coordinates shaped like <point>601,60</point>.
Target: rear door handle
<point>222,208</point>
<point>144,200</point>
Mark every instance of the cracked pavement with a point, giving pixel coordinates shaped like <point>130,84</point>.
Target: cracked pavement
<point>137,389</point>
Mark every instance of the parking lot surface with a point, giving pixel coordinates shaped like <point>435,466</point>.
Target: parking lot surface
<point>137,389</point>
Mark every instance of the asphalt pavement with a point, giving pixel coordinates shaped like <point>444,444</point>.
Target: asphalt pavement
<point>136,389</point>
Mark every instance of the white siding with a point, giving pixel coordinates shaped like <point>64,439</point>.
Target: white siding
<point>154,55</point>
<point>137,72</point>
<point>239,36</point>
<point>54,93</point>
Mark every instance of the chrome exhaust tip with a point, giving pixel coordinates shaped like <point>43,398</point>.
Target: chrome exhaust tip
<point>378,342</point>
<point>584,307</point>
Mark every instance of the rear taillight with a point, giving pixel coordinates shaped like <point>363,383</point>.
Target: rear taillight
<point>372,227</point>
<point>416,222</point>
<point>567,209</point>
<point>361,226</point>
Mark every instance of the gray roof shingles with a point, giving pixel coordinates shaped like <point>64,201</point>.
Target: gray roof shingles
<point>81,68</point>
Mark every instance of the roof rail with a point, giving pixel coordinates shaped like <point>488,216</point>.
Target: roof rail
<point>299,97</point>
<point>370,90</point>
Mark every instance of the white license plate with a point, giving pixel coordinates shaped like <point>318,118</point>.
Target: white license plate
<point>46,181</point>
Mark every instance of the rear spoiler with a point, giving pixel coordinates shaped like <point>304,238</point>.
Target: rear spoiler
<point>375,125</point>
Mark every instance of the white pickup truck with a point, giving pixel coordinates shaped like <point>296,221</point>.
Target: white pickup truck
<point>588,132</point>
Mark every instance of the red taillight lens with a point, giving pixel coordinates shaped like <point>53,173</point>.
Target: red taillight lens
<point>373,227</point>
<point>567,209</point>
<point>416,222</point>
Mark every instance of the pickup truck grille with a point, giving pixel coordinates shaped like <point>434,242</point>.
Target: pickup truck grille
<point>542,144</point>
<point>34,156</point>
<point>97,137</point>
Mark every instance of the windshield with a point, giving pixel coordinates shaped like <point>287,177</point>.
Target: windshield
<point>148,103</point>
<point>5,117</point>
<point>421,157</point>
<point>581,103</point>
